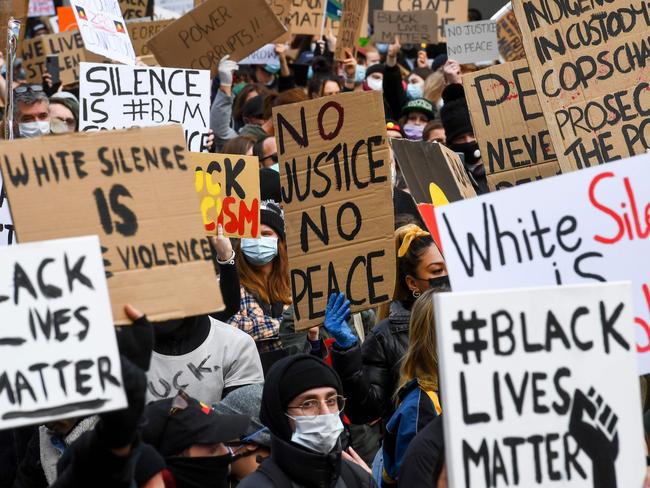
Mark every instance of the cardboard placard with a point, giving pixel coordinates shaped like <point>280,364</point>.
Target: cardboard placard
<point>134,9</point>
<point>434,173</point>
<point>228,187</point>
<point>511,47</point>
<point>67,46</point>
<point>103,29</point>
<point>200,38</point>
<point>118,97</point>
<point>307,18</point>
<point>59,351</point>
<point>41,8</point>
<point>544,387</point>
<point>509,125</point>
<point>141,32</point>
<point>350,28</point>
<point>334,171</point>
<point>578,227</point>
<point>133,189</point>
<point>448,11</point>
<point>282,10</point>
<point>6,223</point>
<point>592,85</point>
<point>17,9</point>
<point>264,55</point>
<point>473,42</point>
<point>67,20</point>
<point>418,26</point>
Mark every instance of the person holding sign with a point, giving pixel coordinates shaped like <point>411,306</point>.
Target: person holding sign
<point>369,373</point>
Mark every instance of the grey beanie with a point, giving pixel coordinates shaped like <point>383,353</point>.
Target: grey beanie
<point>246,400</point>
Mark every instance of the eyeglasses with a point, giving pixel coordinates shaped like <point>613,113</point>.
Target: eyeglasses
<point>69,122</point>
<point>274,157</point>
<point>28,88</point>
<point>311,408</point>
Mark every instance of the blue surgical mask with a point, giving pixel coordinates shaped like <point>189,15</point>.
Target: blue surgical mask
<point>414,91</point>
<point>382,47</point>
<point>310,73</point>
<point>360,74</point>
<point>276,167</point>
<point>259,252</point>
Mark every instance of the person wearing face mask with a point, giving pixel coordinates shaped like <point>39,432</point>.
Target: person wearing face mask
<point>374,78</point>
<point>460,134</point>
<point>31,111</point>
<point>192,438</point>
<point>416,114</point>
<point>415,86</point>
<point>302,405</point>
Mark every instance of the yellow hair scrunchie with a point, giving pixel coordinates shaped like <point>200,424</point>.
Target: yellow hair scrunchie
<point>414,233</point>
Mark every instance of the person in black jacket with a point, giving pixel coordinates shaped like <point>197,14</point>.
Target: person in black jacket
<point>371,372</point>
<point>302,406</point>
<point>425,458</point>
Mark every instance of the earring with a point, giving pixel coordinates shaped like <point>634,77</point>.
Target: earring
<point>416,293</point>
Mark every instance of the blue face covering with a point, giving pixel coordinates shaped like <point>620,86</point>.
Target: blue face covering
<point>360,74</point>
<point>414,91</point>
<point>260,251</point>
<point>382,47</point>
<point>310,73</point>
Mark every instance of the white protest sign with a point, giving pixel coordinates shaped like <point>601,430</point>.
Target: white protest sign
<point>7,233</point>
<point>264,55</point>
<point>587,226</point>
<point>59,352</point>
<point>118,97</point>
<point>41,8</point>
<point>103,29</point>
<point>473,42</point>
<point>541,386</point>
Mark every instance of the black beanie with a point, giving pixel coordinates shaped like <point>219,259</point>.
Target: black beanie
<point>288,378</point>
<point>270,185</point>
<point>149,464</point>
<point>271,214</point>
<point>375,68</point>
<point>454,114</point>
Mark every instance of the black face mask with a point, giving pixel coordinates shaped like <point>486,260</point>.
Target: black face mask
<point>440,284</point>
<point>200,472</point>
<point>469,149</point>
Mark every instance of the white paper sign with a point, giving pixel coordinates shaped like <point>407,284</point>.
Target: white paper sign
<point>41,8</point>
<point>588,226</point>
<point>7,233</point>
<point>473,42</point>
<point>59,352</point>
<point>118,97</point>
<point>541,388</point>
<point>264,55</point>
<point>103,29</point>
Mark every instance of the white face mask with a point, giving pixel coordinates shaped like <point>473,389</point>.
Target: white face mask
<point>34,129</point>
<point>375,84</point>
<point>319,433</point>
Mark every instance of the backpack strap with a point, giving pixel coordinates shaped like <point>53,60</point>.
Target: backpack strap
<point>273,472</point>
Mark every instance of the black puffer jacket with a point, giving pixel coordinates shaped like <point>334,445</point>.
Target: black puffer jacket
<point>370,373</point>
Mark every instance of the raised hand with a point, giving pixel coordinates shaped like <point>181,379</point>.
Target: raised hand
<point>337,314</point>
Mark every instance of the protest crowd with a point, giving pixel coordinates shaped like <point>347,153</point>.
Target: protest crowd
<point>311,206</point>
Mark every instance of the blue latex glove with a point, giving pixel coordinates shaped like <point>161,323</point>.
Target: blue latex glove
<point>337,314</point>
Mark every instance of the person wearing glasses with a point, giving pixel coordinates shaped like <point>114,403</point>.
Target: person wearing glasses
<point>302,404</point>
<point>64,113</point>
<point>267,152</point>
<point>31,111</point>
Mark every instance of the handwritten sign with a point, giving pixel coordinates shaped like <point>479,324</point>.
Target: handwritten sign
<point>103,29</point>
<point>142,31</point>
<point>59,352</point>
<point>544,384</point>
<point>133,189</point>
<point>134,9</point>
<point>228,187</point>
<point>7,231</point>
<point>200,38</point>
<point>509,125</point>
<point>473,42</point>
<point>589,226</point>
<point>307,18</point>
<point>350,28</point>
<point>119,97</point>
<point>593,87</point>
<point>448,11</point>
<point>334,169</point>
<point>41,8</point>
<point>418,26</point>
<point>282,10</point>
<point>264,55</point>
<point>511,47</point>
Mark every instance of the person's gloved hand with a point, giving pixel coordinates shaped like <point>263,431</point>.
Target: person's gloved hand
<point>226,68</point>
<point>136,341</point>
<point>337,314</point>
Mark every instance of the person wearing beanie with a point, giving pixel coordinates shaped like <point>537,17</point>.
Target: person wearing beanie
<point>374,78</point>
<point>460,134</point>
<point>302,404</point>
<point>64,113</point>
<point>416,114</point>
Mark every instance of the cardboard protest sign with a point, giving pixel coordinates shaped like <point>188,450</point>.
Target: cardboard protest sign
<point>6,224</point>
<point>228,187</point>
<point>133,189</point>
<point>433,173</point>
<point>589,68</point>
<point>350,28</point>
<point>264,55</point>
<point>141,32</point>
<point>473,42</point>
<point>307,18</point>
<point>418,26</point>
<point>335,176</point>
<point>541,387</point>
<point>574,228</point>
<point>448,11</point>
<point>17,9</point>
<point>200,38</point>
<point>118,97</point>
<point>59,351</point>
<point>282,10</point>
<point>103,29</point>
<point>509,125</point>
<point>134,9</point>
<point>511,47</point>
<point>67,20</point>
<point>41,8</point>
